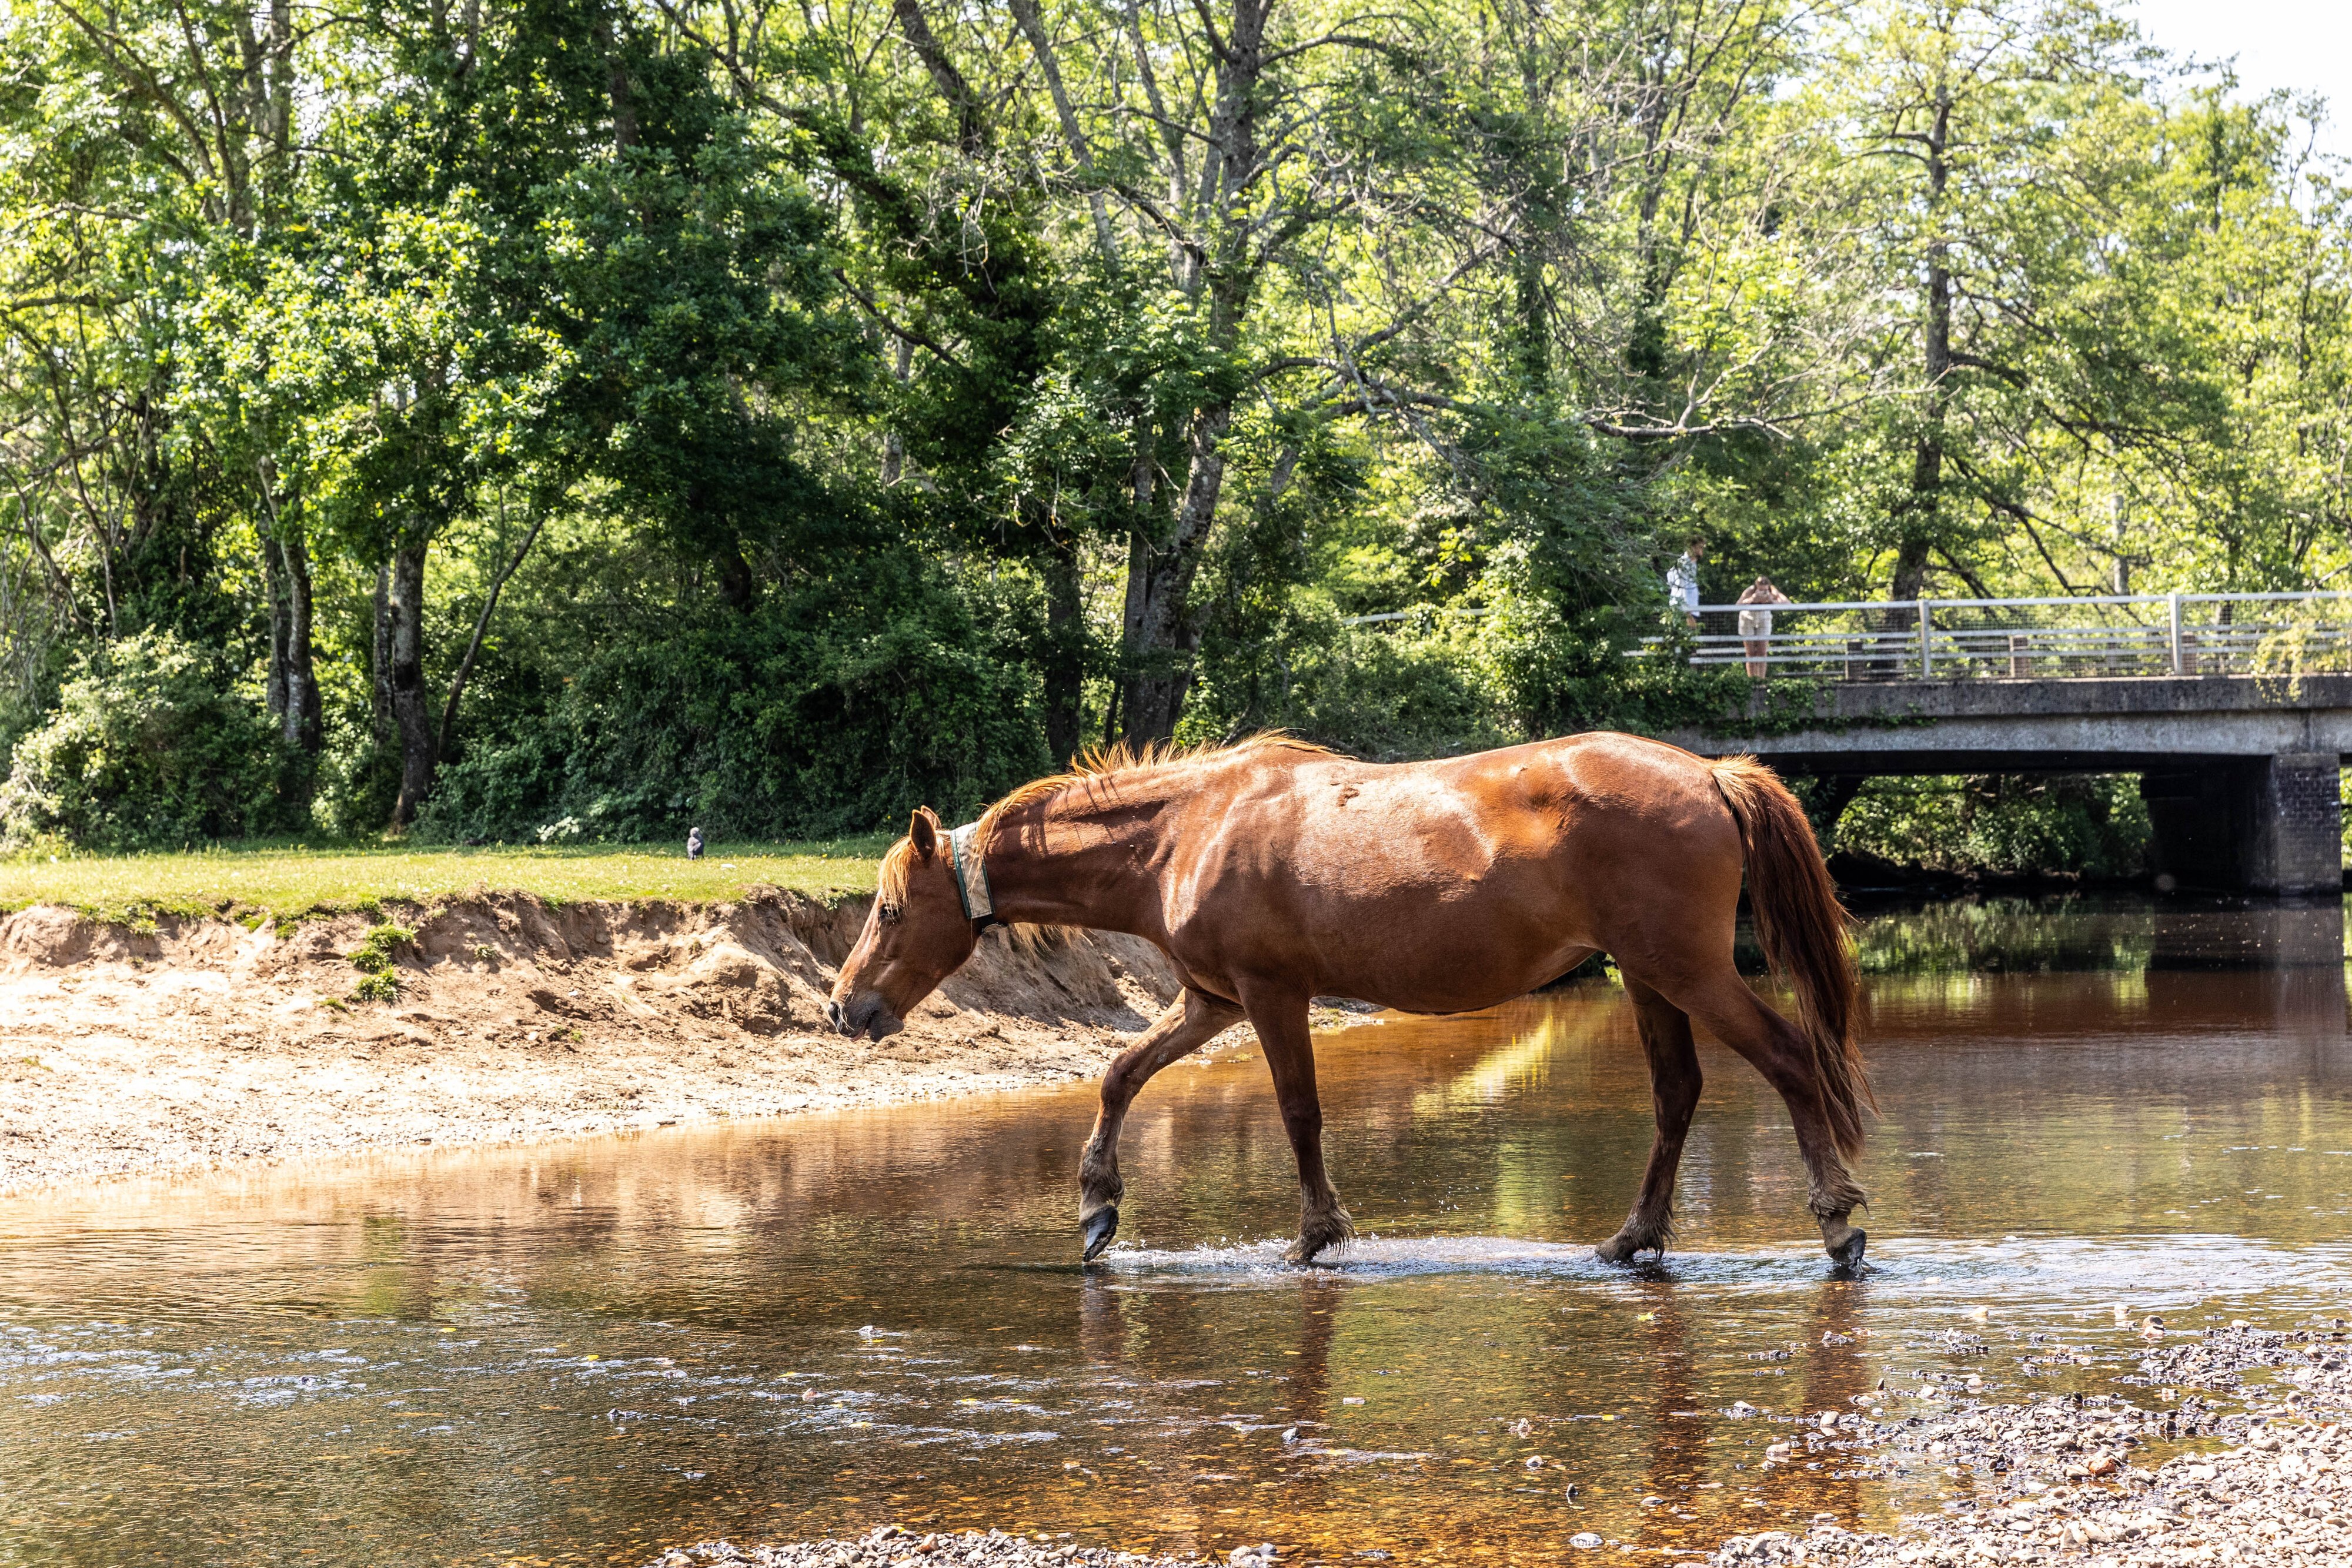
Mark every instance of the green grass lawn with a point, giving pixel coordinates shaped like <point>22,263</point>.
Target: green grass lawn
<point>286,880</point>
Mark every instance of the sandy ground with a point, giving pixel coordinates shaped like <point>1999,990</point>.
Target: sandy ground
<point>203,1041</point>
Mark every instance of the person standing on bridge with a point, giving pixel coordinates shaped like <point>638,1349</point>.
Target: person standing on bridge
<point>1755,625</point>
<point>1681,579</point>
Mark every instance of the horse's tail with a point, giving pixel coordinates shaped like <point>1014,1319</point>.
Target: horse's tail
<point>1802,927</point>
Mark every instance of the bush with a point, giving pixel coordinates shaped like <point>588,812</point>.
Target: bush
<point>836,711</point>
<point>150,747</point>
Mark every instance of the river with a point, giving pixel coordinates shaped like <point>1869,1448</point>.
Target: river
<point>585,1353</point>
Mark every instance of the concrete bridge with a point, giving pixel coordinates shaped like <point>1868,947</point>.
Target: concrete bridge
<point>2235,710</point>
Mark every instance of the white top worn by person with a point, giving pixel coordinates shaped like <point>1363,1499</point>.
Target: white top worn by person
<point>1681,581</point>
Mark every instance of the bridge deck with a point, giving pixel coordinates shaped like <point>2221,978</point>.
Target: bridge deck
<point>2094,725</point>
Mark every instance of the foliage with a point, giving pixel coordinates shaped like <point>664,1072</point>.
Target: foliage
<point>816,717</point>
<point>2092,825</point>
<point>148,746</point>
<point>652,414</point>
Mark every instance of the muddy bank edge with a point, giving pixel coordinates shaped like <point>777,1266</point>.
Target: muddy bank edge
<point>199,1041</point>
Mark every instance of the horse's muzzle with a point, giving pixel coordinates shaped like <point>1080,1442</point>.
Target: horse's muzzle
<point>866,1015</point>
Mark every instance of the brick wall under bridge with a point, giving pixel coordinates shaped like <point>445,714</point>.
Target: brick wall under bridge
<point>2240,772</point>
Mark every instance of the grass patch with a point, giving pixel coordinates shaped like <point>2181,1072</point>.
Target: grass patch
<point>285,881</point>
<point>376,951</point>
<point>381,987</point>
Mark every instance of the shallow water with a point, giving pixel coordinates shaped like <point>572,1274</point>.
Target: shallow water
<point>586,1352</point>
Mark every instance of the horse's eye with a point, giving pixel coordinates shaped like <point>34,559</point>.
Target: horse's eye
<point>887,914</point>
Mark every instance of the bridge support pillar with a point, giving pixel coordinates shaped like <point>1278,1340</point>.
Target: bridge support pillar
<point>2265,824</point>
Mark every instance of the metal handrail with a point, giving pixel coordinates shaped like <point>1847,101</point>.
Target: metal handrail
<point>2023,638</point>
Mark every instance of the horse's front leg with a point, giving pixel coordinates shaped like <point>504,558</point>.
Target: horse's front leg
<point>1282,1034</point>
<point>1675,1083</point>
<point>1190,1021</point>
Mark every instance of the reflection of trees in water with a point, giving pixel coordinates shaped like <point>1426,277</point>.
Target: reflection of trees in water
<point>2062,933</point>
<point>1982,934</point>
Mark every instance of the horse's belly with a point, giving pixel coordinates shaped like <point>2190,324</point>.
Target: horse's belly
<point>1453,971</point>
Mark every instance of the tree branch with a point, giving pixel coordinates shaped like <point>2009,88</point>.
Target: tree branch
<point>905,333</point>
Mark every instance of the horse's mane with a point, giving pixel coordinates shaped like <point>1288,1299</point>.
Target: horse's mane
<point>1095,764</point>
<point>1119,758</point>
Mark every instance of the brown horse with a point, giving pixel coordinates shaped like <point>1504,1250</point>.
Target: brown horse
<point>1273,872</point>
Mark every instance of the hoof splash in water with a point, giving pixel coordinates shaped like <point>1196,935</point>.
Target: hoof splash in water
<point>1624,1251</point>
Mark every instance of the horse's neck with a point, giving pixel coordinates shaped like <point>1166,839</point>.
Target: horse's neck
<point>1088,854</point>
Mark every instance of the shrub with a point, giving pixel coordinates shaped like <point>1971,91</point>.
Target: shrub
<point>150,747</point>
<point>834,711</point>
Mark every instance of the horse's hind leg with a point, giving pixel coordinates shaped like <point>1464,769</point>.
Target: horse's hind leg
<point>1190,1021</point>
<point>1290,1047</point>
<point>1740,1018</point>
<point>1673,1091</point>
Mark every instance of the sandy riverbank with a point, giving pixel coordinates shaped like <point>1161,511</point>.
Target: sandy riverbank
<point>201,1041</point>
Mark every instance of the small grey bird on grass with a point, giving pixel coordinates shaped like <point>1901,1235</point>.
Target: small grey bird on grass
<point>694,843</point>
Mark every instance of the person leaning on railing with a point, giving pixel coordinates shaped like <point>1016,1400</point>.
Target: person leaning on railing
<point>1681,579</point>
<point>1755,625</point>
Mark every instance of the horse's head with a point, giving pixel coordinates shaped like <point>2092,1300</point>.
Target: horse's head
<point>915,935</point>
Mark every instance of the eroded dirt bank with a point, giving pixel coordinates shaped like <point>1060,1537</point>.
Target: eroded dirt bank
<point>203,1041</point>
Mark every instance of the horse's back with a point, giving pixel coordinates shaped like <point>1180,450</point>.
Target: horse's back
<point>1445,883</point>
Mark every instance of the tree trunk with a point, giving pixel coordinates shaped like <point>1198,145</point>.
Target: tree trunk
<point>1163,630</point>
<point>1831,794</point>
<point>303,717</point>
<point>380,659</point>
<point>273,578</point>
<point>1917,526</point>
<point>412,705</point>
<point>1066,649</point>
<point>1159,588</point>
<point>739,588</point>
<point>482,625</point>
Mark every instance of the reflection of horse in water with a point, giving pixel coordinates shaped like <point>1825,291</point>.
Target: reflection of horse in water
<point>1273,871</point>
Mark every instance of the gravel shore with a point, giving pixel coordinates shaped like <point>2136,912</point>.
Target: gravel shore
<point>2057,1481</point>
<point>890,1545</point>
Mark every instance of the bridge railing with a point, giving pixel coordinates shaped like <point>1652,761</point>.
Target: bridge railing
<point>2031,639</point>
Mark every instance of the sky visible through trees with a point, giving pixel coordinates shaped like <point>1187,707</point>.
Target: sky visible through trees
<point>597,416</point>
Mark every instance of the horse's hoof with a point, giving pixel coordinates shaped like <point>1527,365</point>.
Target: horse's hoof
<point>1847,1254</point>
<point>1616,1249</point>
<point>1098,1228</point>
<point>1305,1250</point>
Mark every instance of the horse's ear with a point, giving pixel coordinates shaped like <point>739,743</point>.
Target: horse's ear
<point>923,832</point>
